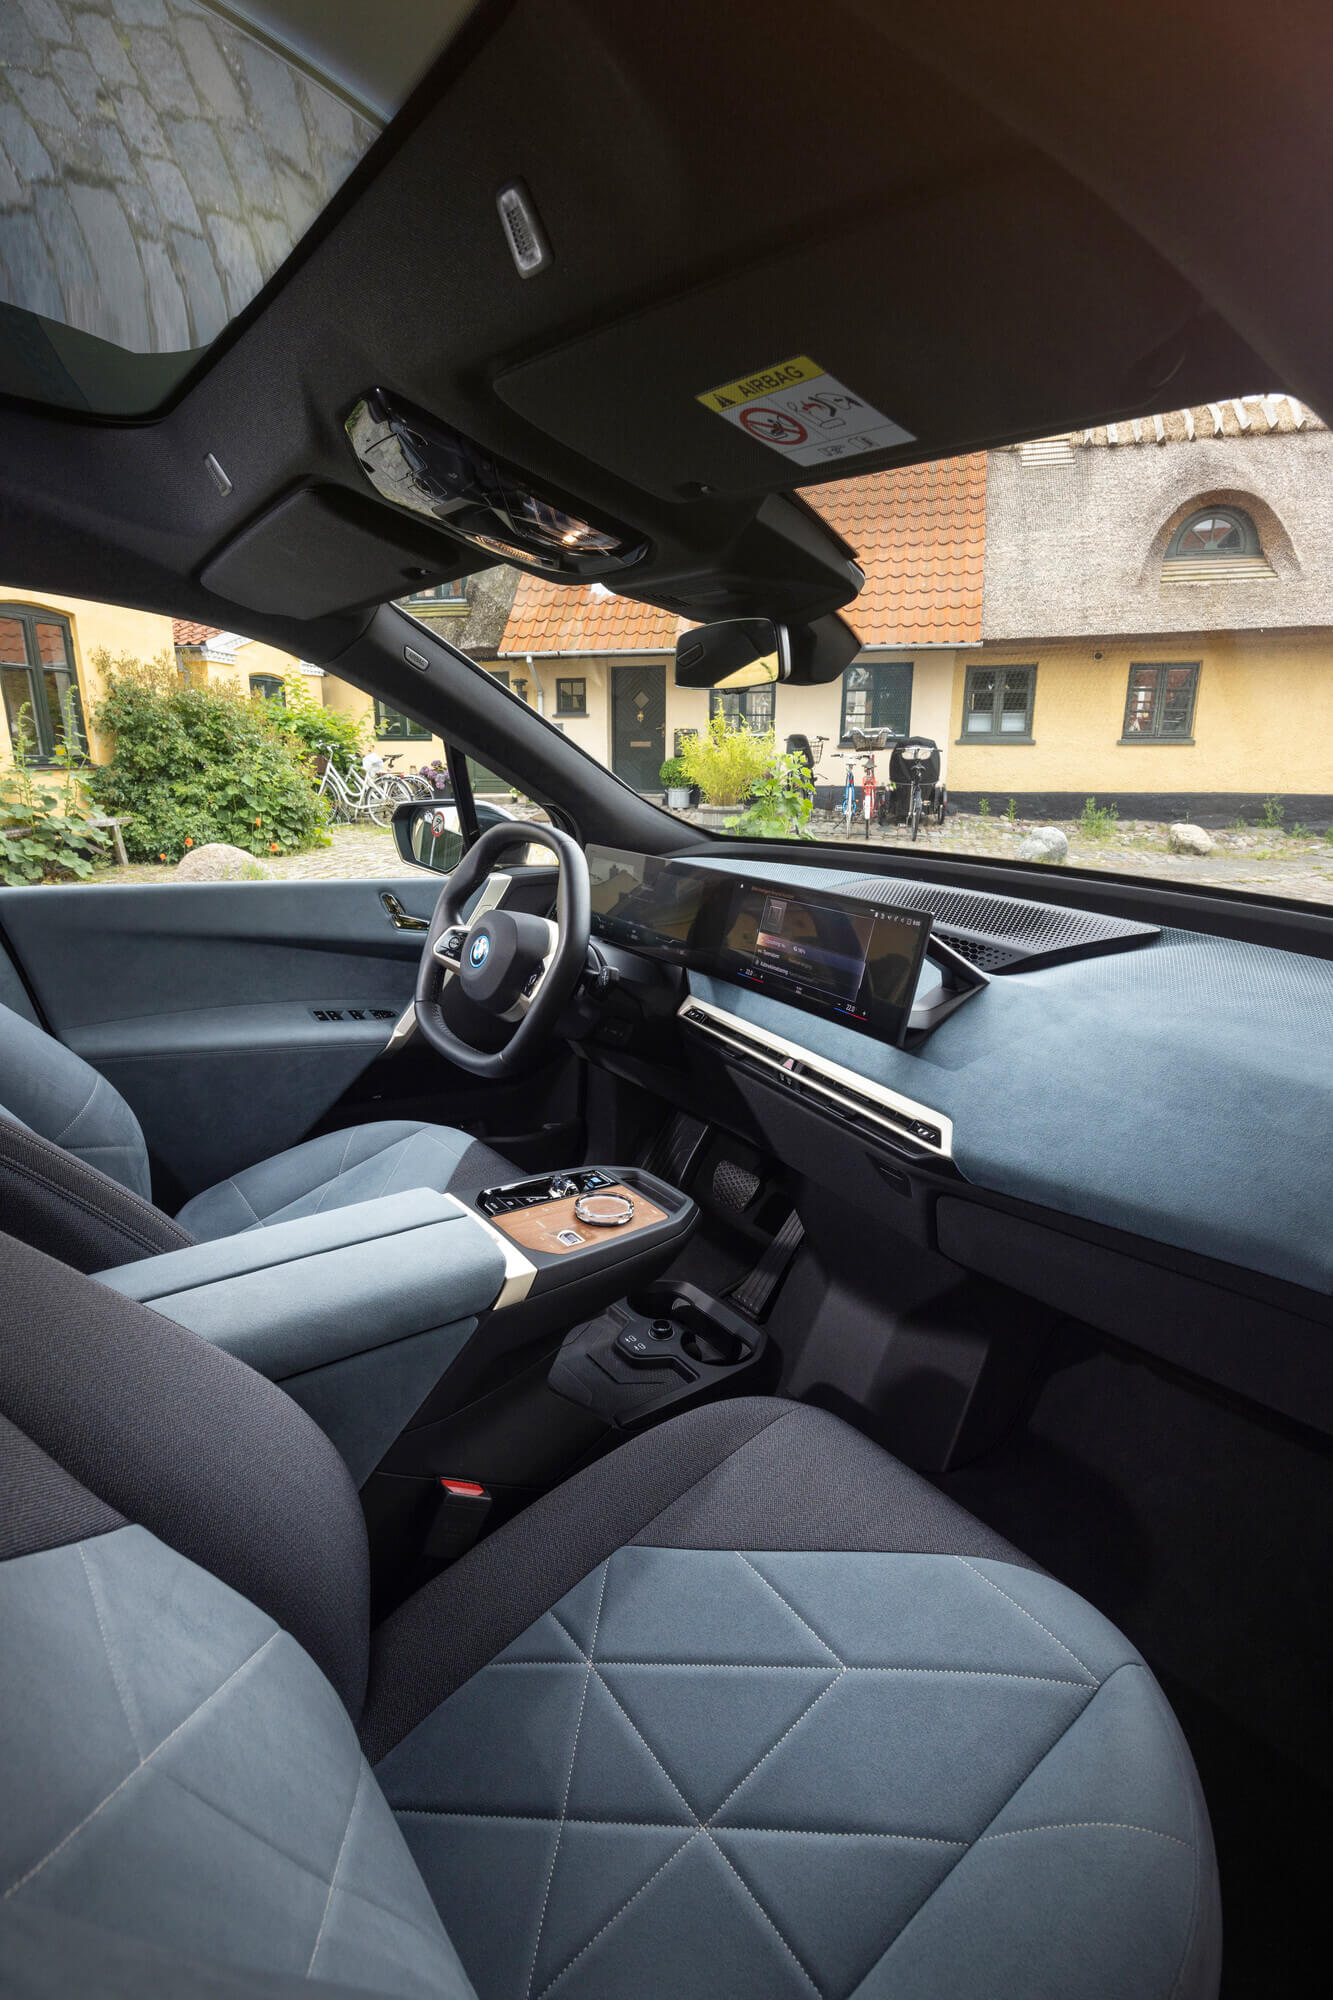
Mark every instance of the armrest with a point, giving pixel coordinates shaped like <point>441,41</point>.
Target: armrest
<point>303,1294</point>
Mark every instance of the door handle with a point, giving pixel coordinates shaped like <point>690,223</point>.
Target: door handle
<point>401,919</point>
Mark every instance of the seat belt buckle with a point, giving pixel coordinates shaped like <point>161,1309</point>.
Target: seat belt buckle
<point>460,1516</point>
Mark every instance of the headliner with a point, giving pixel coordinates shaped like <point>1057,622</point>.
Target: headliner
<point>989,234</point>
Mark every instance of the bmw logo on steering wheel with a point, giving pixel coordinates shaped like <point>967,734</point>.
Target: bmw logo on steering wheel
<point>480,950</point>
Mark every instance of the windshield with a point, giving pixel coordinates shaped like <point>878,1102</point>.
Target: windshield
<point>1111,649</point>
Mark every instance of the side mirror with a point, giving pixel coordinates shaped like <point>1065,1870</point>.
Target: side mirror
<point>749,652</point>
<point>428,836</point>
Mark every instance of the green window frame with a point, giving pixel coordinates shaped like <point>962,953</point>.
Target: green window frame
<point>571,696</point>
<point>745,708</point>
<point>41,683</point>
<point>1160,700</point>
<point>1213,533</point>
<point>998,703</point>
<point>268,687</point>
<point>393,727</point>
<point>876,694</point>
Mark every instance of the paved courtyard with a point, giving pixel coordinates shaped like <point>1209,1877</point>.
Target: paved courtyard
<point>1258,862</point>
<point>156,166</point>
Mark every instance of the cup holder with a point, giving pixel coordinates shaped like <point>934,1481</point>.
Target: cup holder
<point>705,1330</point>
<point>654,1350</point>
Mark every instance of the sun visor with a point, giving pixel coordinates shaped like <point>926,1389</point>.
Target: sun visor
<point>1010,308</point>
<point>321,549</point>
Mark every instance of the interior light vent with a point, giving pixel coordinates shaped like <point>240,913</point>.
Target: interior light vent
<point>523,231</point>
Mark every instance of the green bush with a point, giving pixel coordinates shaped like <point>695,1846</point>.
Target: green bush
<point>312,729</point>
<point>194,763</point>
<point>673,773</point>
<point>780,802</point>
<point>44,831</point>
<point>726,763</point>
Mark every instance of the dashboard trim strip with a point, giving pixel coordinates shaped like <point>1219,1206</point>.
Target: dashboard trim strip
<point>844,1087</point>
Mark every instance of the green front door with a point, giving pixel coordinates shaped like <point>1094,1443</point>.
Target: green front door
<point>638,725</point>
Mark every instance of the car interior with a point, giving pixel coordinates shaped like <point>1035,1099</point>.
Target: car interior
<point>627,1409</point>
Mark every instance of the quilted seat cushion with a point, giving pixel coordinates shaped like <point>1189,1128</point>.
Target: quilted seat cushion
<point>715,1773</point>
<point>329,1172</point>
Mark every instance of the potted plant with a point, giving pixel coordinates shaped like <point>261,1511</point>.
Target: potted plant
<point>676,780</point>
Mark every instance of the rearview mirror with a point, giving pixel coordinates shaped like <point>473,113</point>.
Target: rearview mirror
<point>749,652</point>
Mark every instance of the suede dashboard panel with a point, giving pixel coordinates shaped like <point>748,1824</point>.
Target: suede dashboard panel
<point>1151,1090</point>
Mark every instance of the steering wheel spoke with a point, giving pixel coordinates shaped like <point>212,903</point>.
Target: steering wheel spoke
<point>518,968</point>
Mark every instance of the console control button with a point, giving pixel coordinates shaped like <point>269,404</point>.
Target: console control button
<point>634,1345</point>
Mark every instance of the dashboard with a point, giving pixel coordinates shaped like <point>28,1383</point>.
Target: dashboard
<point>844,958</point>
<point>1160,1082</point>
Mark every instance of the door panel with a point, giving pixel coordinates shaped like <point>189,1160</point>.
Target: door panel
<point>638,725</point>
<point>211,1007</point>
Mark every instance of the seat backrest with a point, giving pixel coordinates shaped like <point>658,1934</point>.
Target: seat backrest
<point>73,1164</point>
<point>183,1641</point>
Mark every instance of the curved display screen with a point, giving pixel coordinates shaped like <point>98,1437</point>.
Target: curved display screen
<point>852,961</point>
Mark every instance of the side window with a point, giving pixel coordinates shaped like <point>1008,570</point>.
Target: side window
<point>571,697</point>
<point>1159,707</point>
<point>41,689</point>
<point>268,687</point>
<point>391,727</point>
<point>998,704</point>
<point>876,695</point>
<point>744,708</point>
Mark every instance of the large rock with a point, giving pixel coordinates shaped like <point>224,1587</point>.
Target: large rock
<point>1182,838</point>
<point>1044,843</point>
<point>218,861</point>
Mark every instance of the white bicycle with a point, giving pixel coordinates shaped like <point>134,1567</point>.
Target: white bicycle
<point>370,793</point>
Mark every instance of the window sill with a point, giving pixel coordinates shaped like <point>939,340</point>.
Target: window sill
<point>993,742</point>
<point>1155,742</point>
<point>571,715</point>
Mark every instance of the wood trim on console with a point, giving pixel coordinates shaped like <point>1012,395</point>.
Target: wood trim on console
<point>539,1228</point>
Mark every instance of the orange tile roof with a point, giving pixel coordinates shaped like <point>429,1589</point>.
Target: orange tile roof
<point>919,532</point>
<point>186,633</point>
<point>568,618</point>
<point>920,536</point>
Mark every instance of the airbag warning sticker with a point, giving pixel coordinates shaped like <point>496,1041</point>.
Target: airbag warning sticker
<point>808,416</point>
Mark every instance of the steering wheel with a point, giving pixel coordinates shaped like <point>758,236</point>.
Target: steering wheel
<point>514,966</point>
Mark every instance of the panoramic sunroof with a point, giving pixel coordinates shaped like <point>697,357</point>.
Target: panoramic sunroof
<point>158,161</point>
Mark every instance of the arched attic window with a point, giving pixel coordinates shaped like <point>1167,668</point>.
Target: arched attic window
<point>1216,545</point>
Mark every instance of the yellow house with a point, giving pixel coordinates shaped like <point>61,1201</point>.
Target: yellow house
<point>47,648</point>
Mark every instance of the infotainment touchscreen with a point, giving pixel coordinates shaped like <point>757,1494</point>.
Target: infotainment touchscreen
<point>856,962</point>
<point>829,954</point>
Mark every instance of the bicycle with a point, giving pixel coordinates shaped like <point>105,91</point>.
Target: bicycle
<point>374,794</point>
<point>915,768</point>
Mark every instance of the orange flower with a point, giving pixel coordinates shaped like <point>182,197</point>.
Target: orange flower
<point>258,818</point>
<point>189,840</point>
<point>273,847</point>
<point>161,857</point>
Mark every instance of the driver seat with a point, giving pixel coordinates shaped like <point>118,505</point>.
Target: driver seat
<point>74,1177</point>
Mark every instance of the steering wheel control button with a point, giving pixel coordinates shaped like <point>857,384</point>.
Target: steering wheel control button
<point>604,1211</point>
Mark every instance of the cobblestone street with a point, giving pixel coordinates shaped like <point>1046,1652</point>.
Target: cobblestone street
<point>1275,865</point>
<point>156,166</point>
